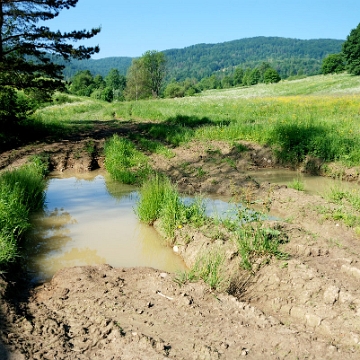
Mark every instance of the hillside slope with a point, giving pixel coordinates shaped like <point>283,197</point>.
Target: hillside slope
<point>288,56</point>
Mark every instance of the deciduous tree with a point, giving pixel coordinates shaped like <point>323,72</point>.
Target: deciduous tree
<point>238,76</point>
<point>135,82</point>
<point>145,76</point>
<point>333,63</point>
<point>351,51</point>
<point>271,76</point>
<point>154,64</point>
<point>83,83</point>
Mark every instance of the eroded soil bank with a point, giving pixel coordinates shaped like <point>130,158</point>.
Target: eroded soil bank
<point>306,307</point>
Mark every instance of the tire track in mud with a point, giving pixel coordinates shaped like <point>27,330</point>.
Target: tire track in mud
<point>106,313</point>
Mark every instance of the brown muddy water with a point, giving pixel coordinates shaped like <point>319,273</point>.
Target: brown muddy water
<point>314,185</point>
<point>90,219</point>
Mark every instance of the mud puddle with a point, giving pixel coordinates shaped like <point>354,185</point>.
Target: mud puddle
<point>313,185</point>
<point>90,220</point>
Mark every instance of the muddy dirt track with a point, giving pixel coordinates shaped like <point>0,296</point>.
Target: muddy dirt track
<point>305,307</point>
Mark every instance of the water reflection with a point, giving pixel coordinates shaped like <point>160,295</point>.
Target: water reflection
<point>92,221</point>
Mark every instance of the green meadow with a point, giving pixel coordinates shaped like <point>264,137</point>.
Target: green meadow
<point>316,116</point>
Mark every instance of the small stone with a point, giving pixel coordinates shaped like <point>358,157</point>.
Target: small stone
<point>244,352</point>
<point>163,275</point>
<point>351,270</point>
<point>313,320</point>
<point>331,295</point>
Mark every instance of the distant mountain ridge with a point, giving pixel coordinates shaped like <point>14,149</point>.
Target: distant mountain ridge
<point>288,56</point>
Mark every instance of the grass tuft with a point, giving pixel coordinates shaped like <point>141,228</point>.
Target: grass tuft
<point>210,268</point>
<point>124,162</point>
<point>254,241</point>
<point>160,200</point>
<point>297,184</point>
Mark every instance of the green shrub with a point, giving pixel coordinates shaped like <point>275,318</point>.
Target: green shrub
<point>14,106</point>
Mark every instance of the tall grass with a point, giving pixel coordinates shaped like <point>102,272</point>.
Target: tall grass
<point>316,116</point>
<point>254,241</point>
<point>346,207</point>
<point>152,196</point>
<point>124,162</point>
<point>21,192</point>
<point>160,200</point>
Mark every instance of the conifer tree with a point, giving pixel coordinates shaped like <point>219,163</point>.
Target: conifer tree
<point>29,50</point>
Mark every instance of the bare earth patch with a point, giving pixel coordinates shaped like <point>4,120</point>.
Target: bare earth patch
<point>305,307</point>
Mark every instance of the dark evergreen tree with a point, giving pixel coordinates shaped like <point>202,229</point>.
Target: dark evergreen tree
<point>27,48</point>
<point>264,66</point>
<point>255,76</point>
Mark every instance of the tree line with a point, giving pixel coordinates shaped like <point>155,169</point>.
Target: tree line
<point>146,79</point>
<point>30,75</point>
<point>264,73</point>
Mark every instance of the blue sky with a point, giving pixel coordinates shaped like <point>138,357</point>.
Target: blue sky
<point>131,27</point>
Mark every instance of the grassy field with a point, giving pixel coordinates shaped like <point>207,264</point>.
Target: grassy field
<point>316,116</point>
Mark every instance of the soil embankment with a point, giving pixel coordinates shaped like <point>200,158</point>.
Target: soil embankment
<point>307,306</point>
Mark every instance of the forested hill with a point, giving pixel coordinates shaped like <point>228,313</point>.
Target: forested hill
<point>288,56</point>
<point>98,66</point>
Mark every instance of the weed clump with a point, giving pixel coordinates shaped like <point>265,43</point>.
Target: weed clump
<point>210,267</point>
<point>254,241</point>
<point>297,184</point>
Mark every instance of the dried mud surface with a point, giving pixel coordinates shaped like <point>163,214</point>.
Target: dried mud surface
<point>305,307</point>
